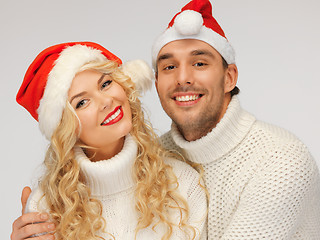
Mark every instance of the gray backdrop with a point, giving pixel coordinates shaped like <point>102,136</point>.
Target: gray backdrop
<point>277,46</point>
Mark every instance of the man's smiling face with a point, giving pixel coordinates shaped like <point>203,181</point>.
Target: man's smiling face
<point>191,84</point>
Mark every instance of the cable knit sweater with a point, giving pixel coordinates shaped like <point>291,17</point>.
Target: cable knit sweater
<point>263,182</point>
<point>111,182</point>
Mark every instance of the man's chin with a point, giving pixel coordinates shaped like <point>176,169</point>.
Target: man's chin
<point>186,122</point>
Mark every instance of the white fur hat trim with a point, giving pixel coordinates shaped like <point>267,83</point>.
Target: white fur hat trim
<point>140,73</point>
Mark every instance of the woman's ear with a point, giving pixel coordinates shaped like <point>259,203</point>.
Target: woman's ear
<point>231,78</point>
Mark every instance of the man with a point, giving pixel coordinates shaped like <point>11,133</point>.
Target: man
<point>262,181</point>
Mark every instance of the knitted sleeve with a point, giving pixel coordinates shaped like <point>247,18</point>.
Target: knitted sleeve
<point>190,187</point>
<point>281,200</point>
<point>36,202</point>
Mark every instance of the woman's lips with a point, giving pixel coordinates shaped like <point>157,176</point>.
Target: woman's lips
<point>115,116</point>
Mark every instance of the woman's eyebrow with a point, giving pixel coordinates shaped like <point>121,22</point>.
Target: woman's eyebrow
<point>84,92</point>
<point>101,78</point>
<point>77,95</point>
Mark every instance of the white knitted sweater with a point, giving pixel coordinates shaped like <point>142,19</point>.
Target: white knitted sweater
<point>111,182</point>
<point>263,182</point>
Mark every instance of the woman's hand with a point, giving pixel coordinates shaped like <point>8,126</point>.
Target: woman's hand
<point>31,225</point>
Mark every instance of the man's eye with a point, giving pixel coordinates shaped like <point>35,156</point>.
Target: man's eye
<point>169,67</point>
<point>81,103</point>
<point>106,84</point>
<point>199,64</point>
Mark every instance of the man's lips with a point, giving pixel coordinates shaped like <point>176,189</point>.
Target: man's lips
<point>113,117</point>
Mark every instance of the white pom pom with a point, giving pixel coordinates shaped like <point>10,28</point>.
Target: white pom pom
<point>140,73</point>
<point>188,22</point>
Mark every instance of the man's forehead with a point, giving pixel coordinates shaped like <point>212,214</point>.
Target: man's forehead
<point>187,47</point>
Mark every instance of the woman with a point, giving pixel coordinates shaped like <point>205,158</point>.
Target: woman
<point>106,175</point>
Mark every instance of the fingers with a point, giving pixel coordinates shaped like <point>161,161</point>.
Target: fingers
<point>21,235</point>
<point>30,218</point>
<point>31,224</point>
<point>24,197</point>
<point>42,237</point>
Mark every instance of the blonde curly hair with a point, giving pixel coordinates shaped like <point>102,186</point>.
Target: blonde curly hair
<point>75,212</point>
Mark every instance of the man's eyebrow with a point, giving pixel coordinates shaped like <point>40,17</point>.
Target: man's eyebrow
<point>201,52</point>
<point>164,57</point>
<point>77,95</point>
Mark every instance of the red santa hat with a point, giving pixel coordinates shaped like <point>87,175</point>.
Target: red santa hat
<point>195,21</point>
<point>44,90</point>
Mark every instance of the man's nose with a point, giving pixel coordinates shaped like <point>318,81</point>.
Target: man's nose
<point>184,75</point>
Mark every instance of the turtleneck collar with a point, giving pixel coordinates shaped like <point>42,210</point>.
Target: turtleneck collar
<point>109,176</point>
<point>228,133</point>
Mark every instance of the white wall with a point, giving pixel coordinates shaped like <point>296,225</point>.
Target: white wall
<point>277,46</point>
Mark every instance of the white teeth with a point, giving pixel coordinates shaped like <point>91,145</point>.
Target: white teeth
<point>116,114</point>
<point>187,98</point>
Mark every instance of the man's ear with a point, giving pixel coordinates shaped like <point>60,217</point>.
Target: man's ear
<point>231,78</point>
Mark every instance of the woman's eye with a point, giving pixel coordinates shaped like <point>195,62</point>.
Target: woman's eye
<point>81,103</point>
<point>106,84</point>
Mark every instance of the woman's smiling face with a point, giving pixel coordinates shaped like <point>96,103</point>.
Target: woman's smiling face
<point>103,109</point>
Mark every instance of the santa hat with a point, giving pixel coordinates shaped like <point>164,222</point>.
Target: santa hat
<point>195,21</point>
<point>44,90</point>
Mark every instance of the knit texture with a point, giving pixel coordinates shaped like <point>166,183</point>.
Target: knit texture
<point>263,182</point>
<point>111,182</point>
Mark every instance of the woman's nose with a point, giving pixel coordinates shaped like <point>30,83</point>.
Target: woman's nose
<point>105,101</point>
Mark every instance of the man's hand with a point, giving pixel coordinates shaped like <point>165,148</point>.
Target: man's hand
<point>29,224</point>
<point>24,198</point>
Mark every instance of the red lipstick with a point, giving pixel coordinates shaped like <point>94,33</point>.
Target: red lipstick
<point>113,117</point>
